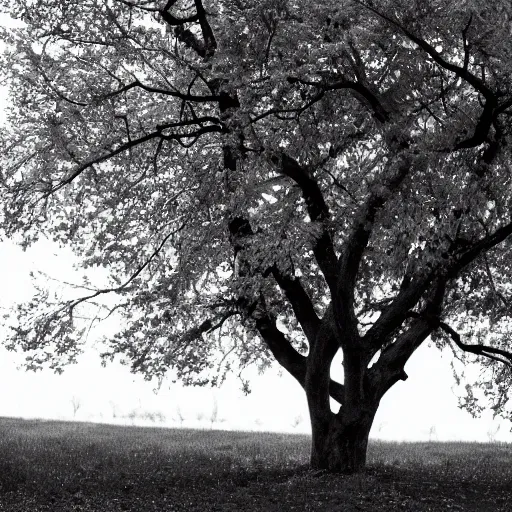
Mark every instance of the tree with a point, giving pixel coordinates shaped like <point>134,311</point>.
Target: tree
<point>76,403</point>
<point>214,415</point>
<point>270,180</point>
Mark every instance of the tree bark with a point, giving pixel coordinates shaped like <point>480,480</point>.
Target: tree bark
<point>339,443</point>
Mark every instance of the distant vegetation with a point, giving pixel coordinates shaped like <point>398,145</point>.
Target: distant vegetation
<point>63,467</point>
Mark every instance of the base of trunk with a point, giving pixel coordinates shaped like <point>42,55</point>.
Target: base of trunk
<point>340,446</point>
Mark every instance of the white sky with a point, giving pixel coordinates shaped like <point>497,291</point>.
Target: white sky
<point>423,407</point>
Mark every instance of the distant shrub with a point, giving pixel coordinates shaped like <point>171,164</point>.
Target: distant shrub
<point>152,416</point>
<point>297,421</point>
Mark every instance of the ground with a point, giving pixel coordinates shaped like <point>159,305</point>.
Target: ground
<point>65,467</point>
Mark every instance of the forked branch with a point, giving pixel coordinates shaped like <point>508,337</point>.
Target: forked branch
<point>323,248</point>
<point>361,91</point>
<point>489,112</point>
<point>494,353</point>
<point>353,250</point>
<point>161,132</point>
<point>240,231</point>
<point>476,82</point>
<point>497,354</point>
<point>205,48</point>
<point>288,357</point>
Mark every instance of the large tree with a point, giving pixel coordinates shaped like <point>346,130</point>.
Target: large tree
<point>270,180</point>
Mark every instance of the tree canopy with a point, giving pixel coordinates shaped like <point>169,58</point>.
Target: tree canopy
<point>269,180</point>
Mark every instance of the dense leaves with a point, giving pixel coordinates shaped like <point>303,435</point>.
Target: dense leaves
<point>307,177</point>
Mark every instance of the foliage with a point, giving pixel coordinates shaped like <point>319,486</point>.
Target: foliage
<point>307,177</point>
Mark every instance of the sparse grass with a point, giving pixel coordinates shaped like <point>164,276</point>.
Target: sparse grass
<point>58,466</point>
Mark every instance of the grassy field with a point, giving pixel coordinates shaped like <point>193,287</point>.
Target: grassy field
<point>57,467</point>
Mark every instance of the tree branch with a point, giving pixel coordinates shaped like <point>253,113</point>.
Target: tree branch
<point>484,123</point>
<point>496,354</point>
<point>323,248</point>
<point>497,294</point>
<point>300,302</point>
<point>389,368</point>
<point>132,5</point>
<point>159,133</point>
<point>210,44</point>
<point>291,110</point>
<point>172,20</point>
<point>482,128</point>
<point>167,92</point>
<point>477,83</point>
<point>296,364</point>
<point>288,357</point>
<point>139,270</point>
<point>240,229</point>
<point>393,315</point>
<point>477,249</point>
<point>352,252</point>
<point>362,92</point>
<point>465,42</point>
<point>206,48</point>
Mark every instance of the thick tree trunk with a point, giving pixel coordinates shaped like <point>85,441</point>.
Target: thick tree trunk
<point>339,444</point>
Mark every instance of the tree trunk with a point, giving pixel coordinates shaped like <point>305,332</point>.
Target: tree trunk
<point>339,444</point>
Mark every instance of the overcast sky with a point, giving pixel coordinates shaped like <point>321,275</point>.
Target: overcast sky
<point>423,407</point>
